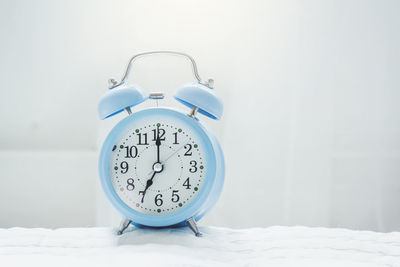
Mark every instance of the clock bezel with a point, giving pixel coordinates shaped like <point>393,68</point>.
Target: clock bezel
<point>198,202</point>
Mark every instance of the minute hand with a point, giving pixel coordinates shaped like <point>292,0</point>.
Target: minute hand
<point>158,143</point>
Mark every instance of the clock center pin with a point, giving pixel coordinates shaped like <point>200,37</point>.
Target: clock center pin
<point>158,167</point>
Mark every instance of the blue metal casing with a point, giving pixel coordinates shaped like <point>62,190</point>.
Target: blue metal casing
<point>213,180</point>
<point>196,94</point>
<point>118,98</point>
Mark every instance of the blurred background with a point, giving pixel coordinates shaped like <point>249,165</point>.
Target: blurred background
<point>311,129</point>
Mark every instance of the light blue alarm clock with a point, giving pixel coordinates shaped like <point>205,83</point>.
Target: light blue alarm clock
<point>161,167</point>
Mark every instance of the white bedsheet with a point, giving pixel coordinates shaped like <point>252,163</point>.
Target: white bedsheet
<point>273,246</point>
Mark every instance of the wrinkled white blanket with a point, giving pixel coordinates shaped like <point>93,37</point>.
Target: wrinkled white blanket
<point>273,246</point>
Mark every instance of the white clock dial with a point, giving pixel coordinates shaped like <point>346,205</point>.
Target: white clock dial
<point>157,166</point>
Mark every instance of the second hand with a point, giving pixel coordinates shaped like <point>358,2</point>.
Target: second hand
<point>169,156</point>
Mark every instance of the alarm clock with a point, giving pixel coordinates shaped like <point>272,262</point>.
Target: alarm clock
<point>159,166</point>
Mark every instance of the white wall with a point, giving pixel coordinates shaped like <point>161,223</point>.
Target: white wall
<point>311,124</point>
<point>47,188</point>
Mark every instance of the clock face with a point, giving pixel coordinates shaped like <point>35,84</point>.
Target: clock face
<point>157,166</point>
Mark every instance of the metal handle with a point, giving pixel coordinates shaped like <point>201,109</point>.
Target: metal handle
<point>113,83</point>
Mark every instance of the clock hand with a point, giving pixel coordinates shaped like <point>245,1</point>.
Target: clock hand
<point>149,182</point>
<point>158,143</point>
<point>157,168</point>
<point>173,153</point>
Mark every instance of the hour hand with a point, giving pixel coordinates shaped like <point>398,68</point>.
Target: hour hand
<point>148,184</point>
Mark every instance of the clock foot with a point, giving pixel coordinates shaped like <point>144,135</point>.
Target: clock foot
<point>124,224</point>
<point>193,226</point>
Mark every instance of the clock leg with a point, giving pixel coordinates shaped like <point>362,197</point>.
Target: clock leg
<point>124,224</point>
<point>193,226</point>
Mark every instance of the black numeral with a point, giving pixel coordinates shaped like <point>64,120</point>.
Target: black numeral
<point>130,186</point>
<point>187,184</point>
<point>175,196</point>
<point>142,139</point>
<point>131,152</point>
<point>124,167</point>
<point>189,149</point>
<point>176,138</point>
<point>161,133</point>
<point>193,167</point>
<point>158,201</point>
